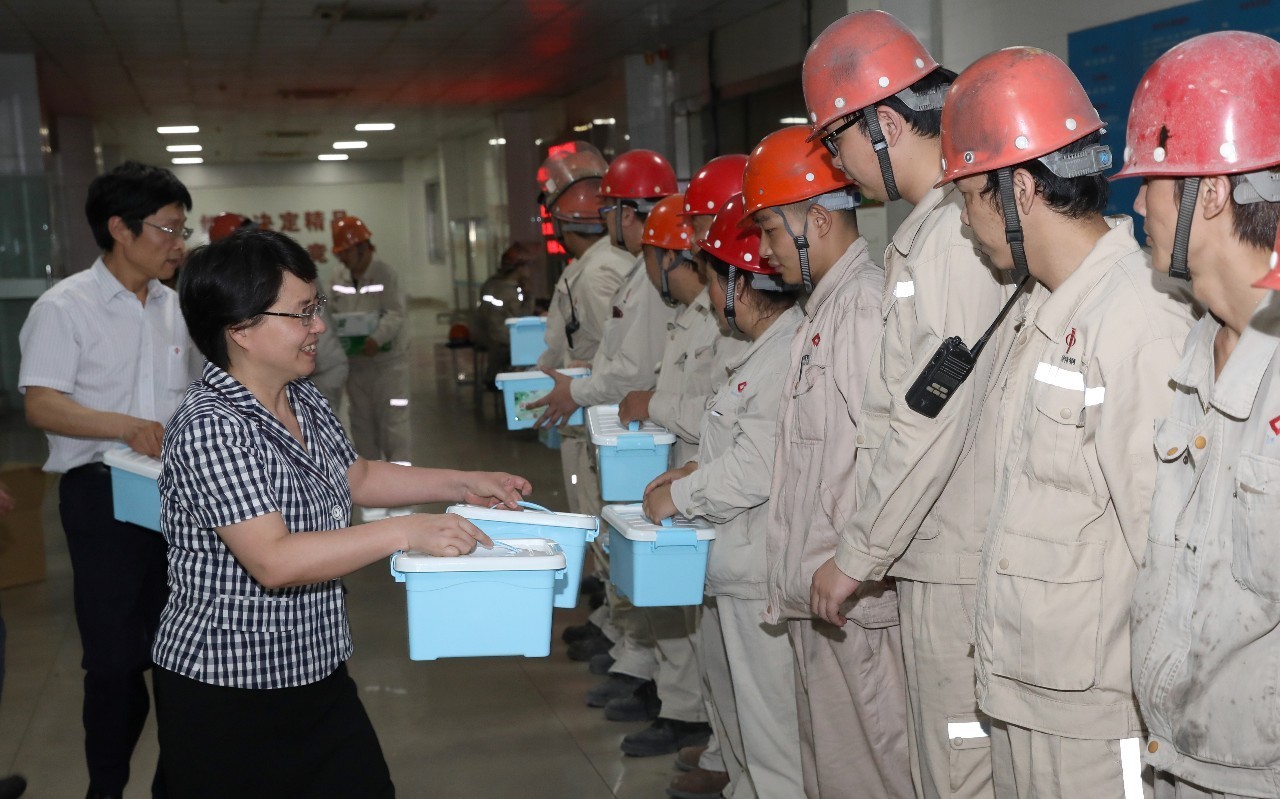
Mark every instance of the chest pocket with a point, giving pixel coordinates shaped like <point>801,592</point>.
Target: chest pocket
<point>1255,559</point>
<point>1055,454</point>
<point>178,363</point>
<point>810,401</point>
<point>1175,479</point>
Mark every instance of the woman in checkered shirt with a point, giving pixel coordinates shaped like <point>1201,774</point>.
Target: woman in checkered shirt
<point>252,692</point>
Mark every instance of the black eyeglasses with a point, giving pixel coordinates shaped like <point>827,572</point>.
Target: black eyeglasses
<point>829,138</point>
<point>308,313</point>
<point>182,232</point>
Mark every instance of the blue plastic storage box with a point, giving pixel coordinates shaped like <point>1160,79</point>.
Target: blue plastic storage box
<point>491,602</point>
<point>521,388</point>
<point>656,565</point>
<point>629,459</point>
<point>572,531</point>
<point>134,493</point>
<point>528,339</point>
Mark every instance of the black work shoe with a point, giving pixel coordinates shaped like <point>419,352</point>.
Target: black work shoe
<point>580,631</point>
<point>618,686</point>
<point>588,648</point>
<point>591,585</point>
<point>12,786</point>
<point>665,737</point>
<point>600,664</point>
<point>92,794</point>
<point>642,705</point>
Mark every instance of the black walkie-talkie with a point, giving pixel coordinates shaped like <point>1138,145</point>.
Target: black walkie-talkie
<point>573,325</point>
<point>950,366</point>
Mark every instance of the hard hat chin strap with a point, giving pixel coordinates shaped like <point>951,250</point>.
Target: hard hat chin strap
<point>802,245</point>
<point>674,262</point>
<point>729,291</point>
<point>1182,233</point>
<point>881,145</point>
<point>1012,224</point>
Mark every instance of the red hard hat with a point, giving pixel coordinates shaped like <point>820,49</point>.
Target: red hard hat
<point>1272,278</point>
<point>1209,106</point>
<point>226,223</point>
<point>639,175</point>
<point>567,164</point>
<point>348,231</point>
<point>860,59</point>
<point>714,184</point>
<point>578,203</point>
<point>665,226</point>
<point>735,239</point>
<point>787,167</point>
<point>459,333</point>
<point>1016,105</point>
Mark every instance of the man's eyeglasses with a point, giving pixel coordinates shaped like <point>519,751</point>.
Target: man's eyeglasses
<point>308,313</point>
<point>829,138</point>
<point>184,233</point>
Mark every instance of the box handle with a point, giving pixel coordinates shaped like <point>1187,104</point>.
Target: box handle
<point>396,573</point>
<point>591,534</point>
<point>633,426</point>
<point>676,538</point>
<point>635,443</point>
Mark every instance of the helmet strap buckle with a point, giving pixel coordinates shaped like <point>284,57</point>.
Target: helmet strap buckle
<point>881,145</point>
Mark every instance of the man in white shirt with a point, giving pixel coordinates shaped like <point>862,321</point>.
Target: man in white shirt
<point>105,360</point>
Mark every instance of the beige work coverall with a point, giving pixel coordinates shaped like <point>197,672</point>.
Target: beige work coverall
<point>378,386</point>
<point>925,486</point>
<point>1206,608</point>
<point>1087,378</point>
<point>747,666</point>
<point>626,361</point>
<point>850,696</point>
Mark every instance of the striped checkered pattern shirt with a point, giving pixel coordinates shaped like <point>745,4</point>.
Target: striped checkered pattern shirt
<point>228,460</point>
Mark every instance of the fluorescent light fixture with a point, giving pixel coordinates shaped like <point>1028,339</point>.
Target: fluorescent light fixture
<point>497,141</point>
<point>333,156</point>
<point>188,160</point>
<point>582,128</point>
<point>184,148</point>
<point>537,142</point>
<point>350,145</point>
<point>626,137</point>
<point>608,121</point>
<point>368,126</point>
<point>794,121</point>
<point>168,129</point>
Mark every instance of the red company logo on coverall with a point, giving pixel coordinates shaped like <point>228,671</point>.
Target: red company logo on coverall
<point>743,385</point>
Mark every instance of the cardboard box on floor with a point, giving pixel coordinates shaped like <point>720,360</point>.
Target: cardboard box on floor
<point>22,529</point>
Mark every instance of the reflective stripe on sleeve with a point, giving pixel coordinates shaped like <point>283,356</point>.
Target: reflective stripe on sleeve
<point>1131,767</point>
<point>906,288</point>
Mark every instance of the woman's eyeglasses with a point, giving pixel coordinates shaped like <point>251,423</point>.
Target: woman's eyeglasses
<point>308,313</point>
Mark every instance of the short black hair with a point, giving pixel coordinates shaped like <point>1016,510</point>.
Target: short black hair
<point>925,123</point>
<point>1075,198</point>
<point>769,303</point>
<point>228,284</point>
<point>1253,223</point>
<point>133,192</point>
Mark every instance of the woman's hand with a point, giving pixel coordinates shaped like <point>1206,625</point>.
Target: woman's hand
<point>658,504</point>
<point>494,488</point>
<point>670,476</point>
<point>443,535</point>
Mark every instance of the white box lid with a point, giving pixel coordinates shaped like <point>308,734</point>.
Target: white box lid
<point>629,520</point>
<point>538,374</point>
<point>607,429</point>
<point>532,514</point>
<point>523,321</point>
<point>511,554</point>
<point>131,461</point>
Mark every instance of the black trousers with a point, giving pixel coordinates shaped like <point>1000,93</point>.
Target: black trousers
<point>309,742</point>
<point>120,584</point>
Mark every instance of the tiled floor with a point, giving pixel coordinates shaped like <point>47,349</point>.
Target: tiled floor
<point>482,728</point>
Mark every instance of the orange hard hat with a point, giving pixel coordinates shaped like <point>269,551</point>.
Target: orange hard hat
<point>578,203</point>
<point>665,226</point>
<point>787,167</point>
<point>1272,279</point>
<point>348,231</point>
<point>735,239</point>
<point>226,223</point>
<point>859,60</point>
<point>1016,105</point>
<point>567,164</point>
<point>639,175</point>
<point>715,183</point>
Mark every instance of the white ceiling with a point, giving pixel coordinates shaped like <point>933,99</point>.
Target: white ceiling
<point>133,65</point>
